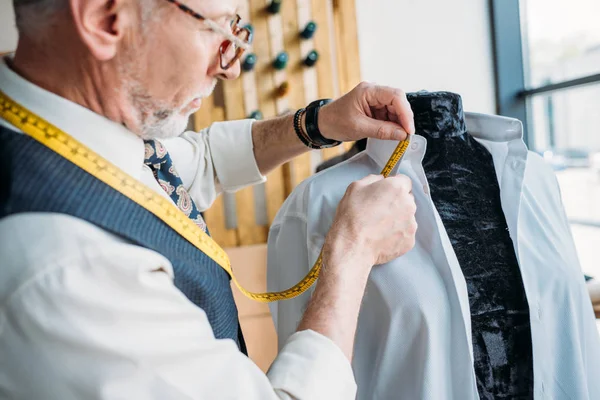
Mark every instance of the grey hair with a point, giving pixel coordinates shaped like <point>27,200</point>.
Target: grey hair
<point>31,15</point>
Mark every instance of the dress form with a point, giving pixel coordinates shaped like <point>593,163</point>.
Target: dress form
<point>466,194</point>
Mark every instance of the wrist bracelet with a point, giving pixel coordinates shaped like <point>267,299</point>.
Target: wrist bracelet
<point>300,132</point>
<point>312,125</point>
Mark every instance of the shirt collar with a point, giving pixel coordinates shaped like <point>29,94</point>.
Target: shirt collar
<point>107,138</point>
<point>490,128</point>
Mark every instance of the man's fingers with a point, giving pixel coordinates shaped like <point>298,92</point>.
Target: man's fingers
<point>404,111</point>
<point>384,130</point>
<point>369,179</point>
<point>394,100</point>
<point>402,182</point>
<point>361,183</point>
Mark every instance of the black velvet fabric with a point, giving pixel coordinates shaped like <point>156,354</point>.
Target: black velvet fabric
<point>465,191</point>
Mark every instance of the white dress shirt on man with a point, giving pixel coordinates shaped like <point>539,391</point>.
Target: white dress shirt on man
<point>414,334</point>
<point>85,314</point>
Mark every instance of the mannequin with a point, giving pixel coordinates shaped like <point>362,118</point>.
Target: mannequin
<point>457,317</point>
<point>465,191</point>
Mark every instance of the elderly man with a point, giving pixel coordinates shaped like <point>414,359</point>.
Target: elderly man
<point>103,295</point>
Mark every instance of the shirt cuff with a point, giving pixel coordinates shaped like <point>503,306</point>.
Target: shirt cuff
<point>311,366</point>
<point>232,153</point>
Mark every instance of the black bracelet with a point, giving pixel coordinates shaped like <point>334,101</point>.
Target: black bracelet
<point>312,125</point>
<point>298,128</point>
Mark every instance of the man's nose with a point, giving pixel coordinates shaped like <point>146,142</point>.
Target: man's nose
<point>230,73</point>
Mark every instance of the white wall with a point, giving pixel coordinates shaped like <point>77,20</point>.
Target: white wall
<point>8,32</point>
<point>431,45</point>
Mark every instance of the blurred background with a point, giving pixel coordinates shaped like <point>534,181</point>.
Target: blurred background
<point>561,50</point>
<point>535,60</point>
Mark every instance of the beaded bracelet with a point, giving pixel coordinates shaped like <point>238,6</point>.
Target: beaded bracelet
<point>300,132</point>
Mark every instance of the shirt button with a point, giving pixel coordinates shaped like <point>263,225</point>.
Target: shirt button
<point>425,189</point>
<point>539,312</point>
<point>414,146</point>
<point>515,164</point>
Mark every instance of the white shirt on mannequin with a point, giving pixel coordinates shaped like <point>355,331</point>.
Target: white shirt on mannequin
<point>414,335</point>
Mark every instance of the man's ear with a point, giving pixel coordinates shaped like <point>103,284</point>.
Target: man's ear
<point>102,24</point>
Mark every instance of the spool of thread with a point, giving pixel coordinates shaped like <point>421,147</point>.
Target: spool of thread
<point>256,114</point>
<point>249,62</point>
<point>283,89</point>
<point>274,7</point>
<point>309,30</point>
<point>281,61</point>
<point>311,59</point>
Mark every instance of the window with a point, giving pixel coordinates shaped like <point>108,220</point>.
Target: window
<point>561,39</point>
<point>548,75</point>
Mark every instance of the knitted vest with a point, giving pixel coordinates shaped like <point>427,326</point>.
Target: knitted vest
<point>33,178</point>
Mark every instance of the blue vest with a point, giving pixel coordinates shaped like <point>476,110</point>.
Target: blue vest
<point>33,178</point>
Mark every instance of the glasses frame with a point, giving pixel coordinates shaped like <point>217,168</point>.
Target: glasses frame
<point>232,37</point>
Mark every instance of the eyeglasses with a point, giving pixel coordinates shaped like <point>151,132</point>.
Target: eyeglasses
<point>237,40</point>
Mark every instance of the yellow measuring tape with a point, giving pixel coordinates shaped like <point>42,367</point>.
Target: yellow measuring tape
<point>86,159</point>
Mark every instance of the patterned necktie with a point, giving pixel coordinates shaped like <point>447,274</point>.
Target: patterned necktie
<point>157,158</point>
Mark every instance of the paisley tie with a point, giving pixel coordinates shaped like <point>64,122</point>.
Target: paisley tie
<point>157,158</point>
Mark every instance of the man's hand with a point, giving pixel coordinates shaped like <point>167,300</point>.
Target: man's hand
<point>375,223</point>
<point>368,111</point>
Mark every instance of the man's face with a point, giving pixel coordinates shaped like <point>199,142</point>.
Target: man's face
<point>172,63</point>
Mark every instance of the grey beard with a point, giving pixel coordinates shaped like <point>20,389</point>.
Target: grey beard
<point>157,120</point>
<point>159,126</point>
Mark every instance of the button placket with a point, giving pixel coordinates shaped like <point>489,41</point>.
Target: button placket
<point>415,155</point>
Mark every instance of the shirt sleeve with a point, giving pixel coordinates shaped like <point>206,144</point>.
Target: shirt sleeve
<point>111,324</point>
<point>219,158</point>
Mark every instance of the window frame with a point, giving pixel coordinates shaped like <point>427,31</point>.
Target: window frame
<point>512,95</point>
